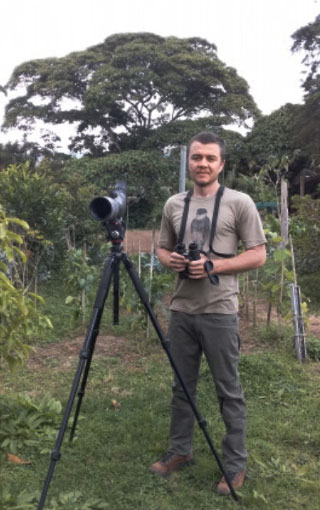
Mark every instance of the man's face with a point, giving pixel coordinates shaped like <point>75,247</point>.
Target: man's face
<point>205,163</point>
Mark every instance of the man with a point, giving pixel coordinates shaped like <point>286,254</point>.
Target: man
<point>204,315</point>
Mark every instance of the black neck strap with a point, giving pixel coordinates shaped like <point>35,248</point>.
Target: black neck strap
<point>215,216</point>
<point>213,222</point>
<point>184,216</point>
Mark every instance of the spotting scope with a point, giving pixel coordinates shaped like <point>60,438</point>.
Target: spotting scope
<point>109,208</point>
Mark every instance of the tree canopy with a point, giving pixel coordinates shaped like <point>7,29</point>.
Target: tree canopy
<point>307,38</point>
<point>273,135</point>
<point>128,85</point>
<point>307,122</point>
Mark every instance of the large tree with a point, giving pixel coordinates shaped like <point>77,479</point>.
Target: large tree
<point>272,135</point>
<point>128,85</point>
<point>307,122</point>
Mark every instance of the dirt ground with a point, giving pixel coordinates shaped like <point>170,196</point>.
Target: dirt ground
<point>67,350</point>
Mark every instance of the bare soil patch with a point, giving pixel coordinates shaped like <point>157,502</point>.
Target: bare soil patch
<point>68,349</point>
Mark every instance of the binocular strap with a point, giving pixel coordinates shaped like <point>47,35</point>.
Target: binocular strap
<point>213,222</point>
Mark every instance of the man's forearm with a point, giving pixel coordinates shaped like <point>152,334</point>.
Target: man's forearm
<point>250,259</point>
<point>164,256</point>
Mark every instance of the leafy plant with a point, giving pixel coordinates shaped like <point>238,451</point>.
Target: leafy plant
<point>65,501</point>
<point>269,335</point>
<point>305,232</point>
<point>20,318</point>
<point>156,288</point>
<point>24,422</point>
<point>72,500</point>
<point>79,277</point>
<point>313,347</point>
<point>42,204</point>
<point>272,467</point>
<point>22,501</point>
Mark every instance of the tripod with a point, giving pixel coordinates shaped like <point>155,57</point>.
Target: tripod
<point>116,231</point>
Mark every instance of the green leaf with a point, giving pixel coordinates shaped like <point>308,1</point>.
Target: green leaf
<point>20,253</point>
<point>3,230</point>
<point>281,255</point>
<point>9,253</point>
<point>37,297</point>
<point>22,223</point>
<point>13,237</point>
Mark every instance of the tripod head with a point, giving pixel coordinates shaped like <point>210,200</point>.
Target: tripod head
<point>116,231</point>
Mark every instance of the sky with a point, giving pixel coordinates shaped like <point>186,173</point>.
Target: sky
<point>253,36</point>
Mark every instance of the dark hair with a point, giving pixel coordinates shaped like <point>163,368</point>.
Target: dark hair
<point>209,137</point>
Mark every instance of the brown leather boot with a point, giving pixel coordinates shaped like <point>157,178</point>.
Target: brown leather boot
<point>170,462</point>
<point>236,480</point>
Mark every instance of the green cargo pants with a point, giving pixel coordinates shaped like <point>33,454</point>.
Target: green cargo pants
<point>215,335</point>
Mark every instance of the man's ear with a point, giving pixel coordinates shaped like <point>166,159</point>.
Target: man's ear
<point>222,166</point>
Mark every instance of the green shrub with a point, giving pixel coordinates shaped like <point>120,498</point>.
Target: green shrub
<point>27,423</point>
<point>313,347</point>
<point>20,317</point>
<point>270,335</point>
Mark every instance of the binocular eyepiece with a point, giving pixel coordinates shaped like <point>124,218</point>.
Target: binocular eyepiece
<point>110,208</point>
<point>192,254</point>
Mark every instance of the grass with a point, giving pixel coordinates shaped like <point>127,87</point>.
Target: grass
<point>124,422</point>
<point>114,446</point>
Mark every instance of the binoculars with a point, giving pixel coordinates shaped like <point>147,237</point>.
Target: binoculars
<point>192,254</point>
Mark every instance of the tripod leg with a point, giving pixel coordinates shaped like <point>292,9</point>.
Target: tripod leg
<point>166,345</point>
<point>98,305</point>
<point>88,359</point>
<point>116,290</point>
<point>84,362</point>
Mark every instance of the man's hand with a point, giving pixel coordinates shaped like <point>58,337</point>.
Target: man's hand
<point>178,262</point>
<point>196,268</point>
